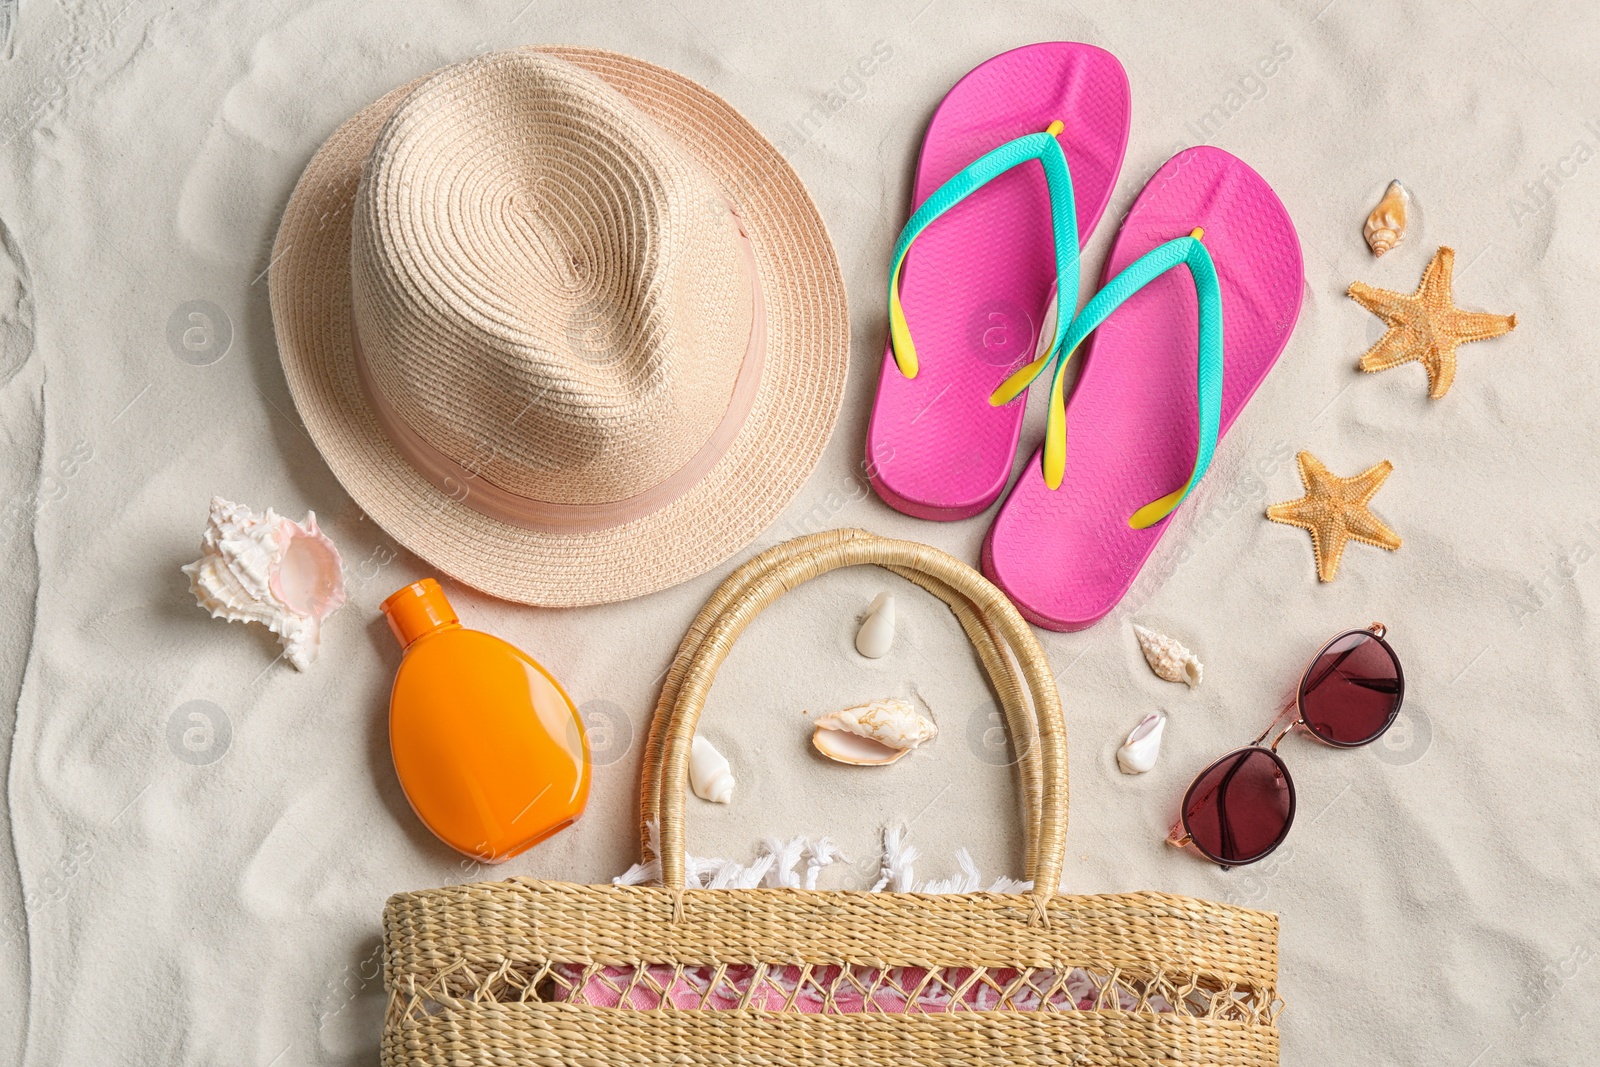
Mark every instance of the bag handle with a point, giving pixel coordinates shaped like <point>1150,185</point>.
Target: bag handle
<point>1026,687</point>
<point>1000,667</point>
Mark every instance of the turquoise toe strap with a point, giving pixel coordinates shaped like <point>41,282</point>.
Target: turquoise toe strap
<point>1063,223</point>
<point>1185,251</point>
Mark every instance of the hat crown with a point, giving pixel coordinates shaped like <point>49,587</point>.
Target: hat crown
<point>547,290</point>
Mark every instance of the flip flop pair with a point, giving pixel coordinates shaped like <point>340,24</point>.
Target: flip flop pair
<point>983,280</point>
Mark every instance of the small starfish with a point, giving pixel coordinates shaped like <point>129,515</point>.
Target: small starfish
<point>1334,509</point>
<point>1426,326</point>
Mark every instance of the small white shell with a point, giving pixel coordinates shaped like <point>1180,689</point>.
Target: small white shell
<point>872,734</point>
<point>876,635</point>
<point>268,569</point>
<point>710,776</point>
<point>1168,658</point>
<point>1386,226</point>
<point>1138,753</point>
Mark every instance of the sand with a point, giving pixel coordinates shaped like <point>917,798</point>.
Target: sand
<point>193,883</point>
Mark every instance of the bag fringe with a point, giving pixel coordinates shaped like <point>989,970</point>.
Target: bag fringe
<point>777,859</point>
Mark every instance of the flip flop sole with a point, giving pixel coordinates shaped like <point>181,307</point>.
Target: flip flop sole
<point>1066,558</point>
<point>975,285</point>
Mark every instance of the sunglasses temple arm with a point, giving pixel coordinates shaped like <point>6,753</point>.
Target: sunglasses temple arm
<point>1313,683</point>
<point>1179,837</point>
<point>1308,683</point>
<point>1222,807</point>
<point>1377,630</point>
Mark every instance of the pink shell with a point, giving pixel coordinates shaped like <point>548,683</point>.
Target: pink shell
<point>309,577</point>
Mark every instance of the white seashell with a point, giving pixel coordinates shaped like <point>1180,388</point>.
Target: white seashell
<point>268,569</point>
<point>876,635</point>
<point>872,734</point>
<point>710,776</point>
<point>1168,658</point>
<point>1386,226</point>
<point>1138,753</point>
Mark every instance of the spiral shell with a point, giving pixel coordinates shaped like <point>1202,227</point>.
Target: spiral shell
<point>271,570</point>
<point>1168,657</point>
<point>1386,226</point>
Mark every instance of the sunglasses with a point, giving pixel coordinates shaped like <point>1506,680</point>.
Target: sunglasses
<point>1241,807</point>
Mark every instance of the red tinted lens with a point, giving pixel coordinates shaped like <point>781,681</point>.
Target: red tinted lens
<point>1352,692</point>
<point>1240,807</point>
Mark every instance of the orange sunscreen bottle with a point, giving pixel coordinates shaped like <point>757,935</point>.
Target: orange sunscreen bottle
<point>488,746</point>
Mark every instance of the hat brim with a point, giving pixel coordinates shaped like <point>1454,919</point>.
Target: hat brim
<point>802,381</point>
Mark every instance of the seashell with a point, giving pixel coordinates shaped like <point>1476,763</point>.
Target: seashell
<point>872,734</point>
<point>710,776</point>
<point>876,635</point>
<point>1138,753</point>
<point>1168,658</point>
<point>1386,226</point>
<point>271,570</point>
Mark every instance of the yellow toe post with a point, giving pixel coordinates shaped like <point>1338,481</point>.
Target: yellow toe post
<point>1055,438</point>
<point>1018,381</point>
<point>1015,385</point>
<point>1055,128</point>
<point>905,353</point>
<point>1157,510</point>
<point>1197,233</point>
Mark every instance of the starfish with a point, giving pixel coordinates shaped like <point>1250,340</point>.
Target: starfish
<point>1426,326</point>
<point>1334,509</point>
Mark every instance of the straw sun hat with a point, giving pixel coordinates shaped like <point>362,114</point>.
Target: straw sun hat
<point>562,322</point>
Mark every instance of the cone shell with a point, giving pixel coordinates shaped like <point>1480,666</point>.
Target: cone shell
<point>876,635</point>
<point>710,775</point>
<point>1138,753</point>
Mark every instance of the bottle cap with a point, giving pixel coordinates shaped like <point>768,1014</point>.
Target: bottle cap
<point>418,609</point>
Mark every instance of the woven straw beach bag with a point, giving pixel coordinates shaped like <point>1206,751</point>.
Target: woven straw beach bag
<point>548,973</point>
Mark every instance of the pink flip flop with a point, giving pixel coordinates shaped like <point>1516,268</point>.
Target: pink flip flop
<point>974,288</point>
<point>1065,557</point>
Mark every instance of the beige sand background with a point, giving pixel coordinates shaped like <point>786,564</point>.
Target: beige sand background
<point>218,902</point>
